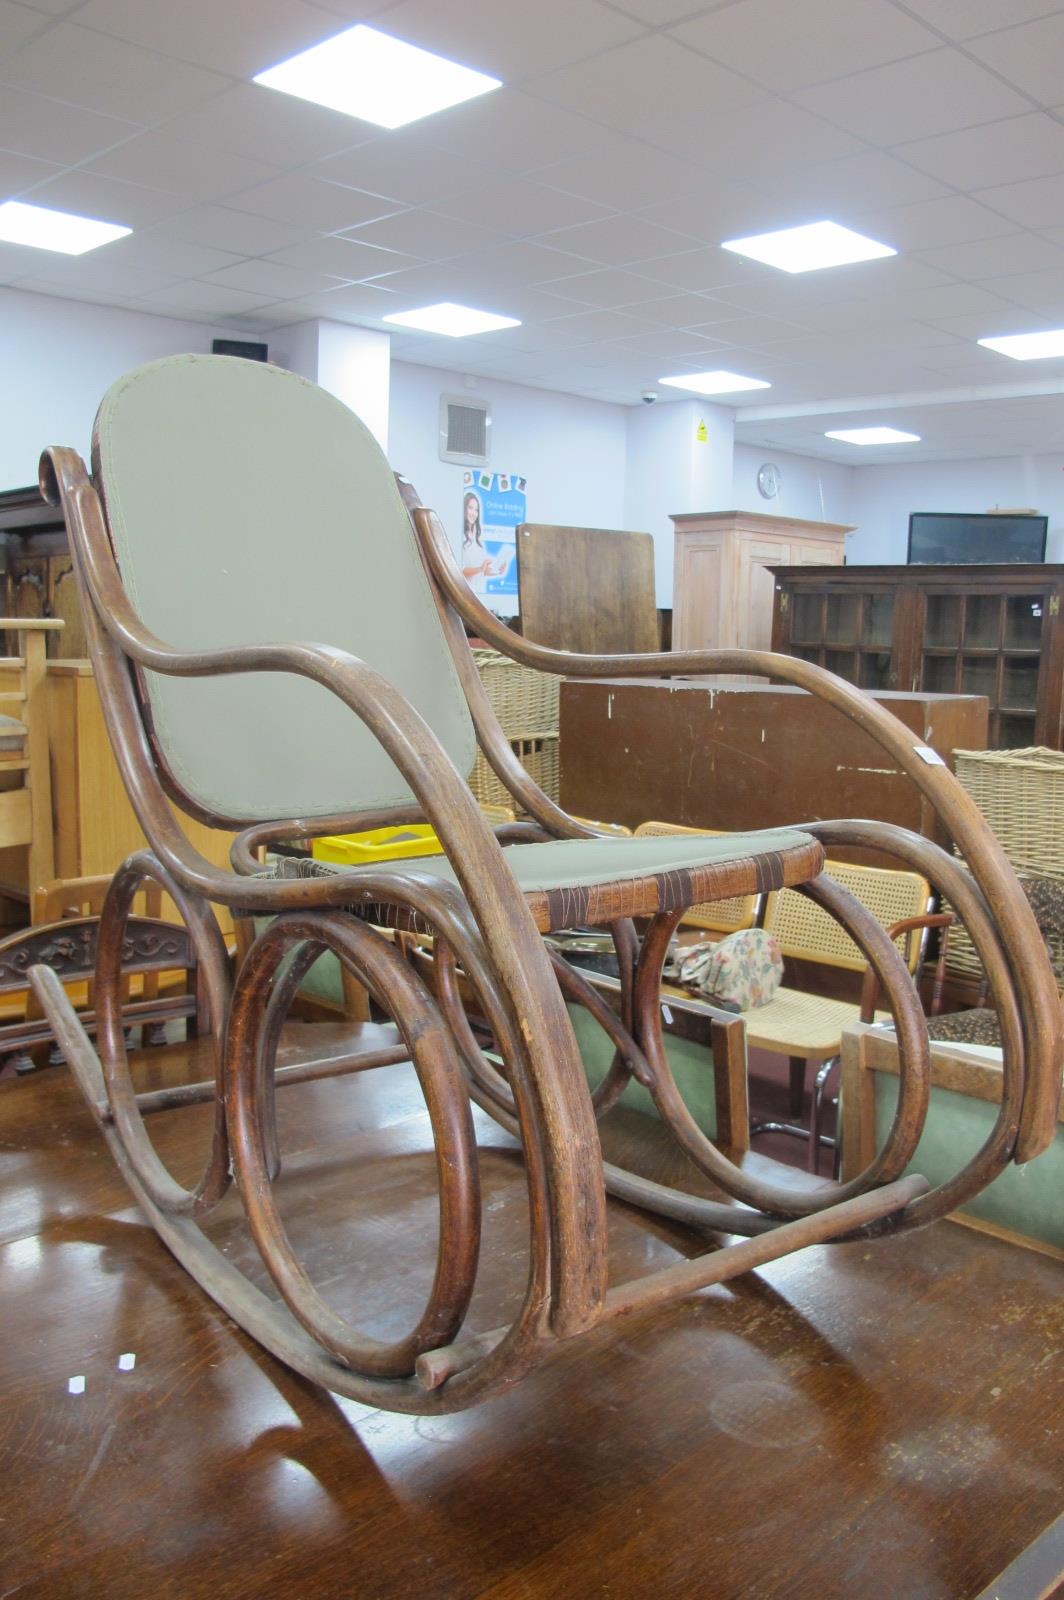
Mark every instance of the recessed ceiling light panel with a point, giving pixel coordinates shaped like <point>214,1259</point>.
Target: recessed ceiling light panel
<point>1028,346</point>
<point>809,248</point>
<point>44,229</point>
<point>453,320</point>
<point>719,382</point>
<point>873,436</point>
<point>368,74</point>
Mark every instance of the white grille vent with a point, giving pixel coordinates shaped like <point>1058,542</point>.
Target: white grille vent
<point>464,430</point>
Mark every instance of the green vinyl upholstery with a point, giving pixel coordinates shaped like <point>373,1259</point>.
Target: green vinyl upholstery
<point>248,506</point>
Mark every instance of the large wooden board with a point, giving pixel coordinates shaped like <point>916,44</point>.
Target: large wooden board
<point>587,589</point>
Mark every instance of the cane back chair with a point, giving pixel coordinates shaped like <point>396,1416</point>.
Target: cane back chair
<point>182,539</point>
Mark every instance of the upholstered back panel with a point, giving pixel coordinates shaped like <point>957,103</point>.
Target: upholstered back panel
<point>248,506</point>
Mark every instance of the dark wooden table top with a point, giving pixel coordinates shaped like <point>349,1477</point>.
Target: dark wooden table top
<point>869,1420</point>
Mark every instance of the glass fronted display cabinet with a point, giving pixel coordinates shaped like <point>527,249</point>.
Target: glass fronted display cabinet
<point>995,631</point>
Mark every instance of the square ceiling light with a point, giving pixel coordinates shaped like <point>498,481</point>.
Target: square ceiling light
<point>1028,346</point>
<point>457,322</point>
<point>370,75</point>
<point>810,247</point>
<point>719,382</point>
<point>873,436</point>
<point>44,229</point>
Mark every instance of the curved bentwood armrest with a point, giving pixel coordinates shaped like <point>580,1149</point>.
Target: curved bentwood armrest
<point>1017,930</point>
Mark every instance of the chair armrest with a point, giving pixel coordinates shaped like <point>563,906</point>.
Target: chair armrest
<point>870,987</point>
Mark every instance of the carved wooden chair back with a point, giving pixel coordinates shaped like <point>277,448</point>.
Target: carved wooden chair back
<point>151,947</point>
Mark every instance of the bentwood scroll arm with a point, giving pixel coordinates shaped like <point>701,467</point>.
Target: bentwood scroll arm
<point>1032,973</point>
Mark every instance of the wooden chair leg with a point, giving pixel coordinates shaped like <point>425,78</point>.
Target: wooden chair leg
<point>797,1085</point>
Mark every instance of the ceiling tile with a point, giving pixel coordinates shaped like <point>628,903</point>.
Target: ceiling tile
<point>90,194</point>
<point>966,19</point>
<point>198,298</point>
<point>89,69</point>
<point>1037,203</point>
<point>939,92</point>
<point>351,302</point>
<point>339,257</point>
<point>624,88</point>
<point>994,258</point>
<point>30,125</point>
<point>1000,152</point>
<point>160,250</point>
<point>250,120</point>
<point>426,234</point>
<point>22,172</point>
<point>100,271</point>
<point>407,168</point>
<point>618,241</point>
<point>512,43</point>
<point>718,210</point>
<point>586,327</point>
<point>17,26</point>
<point>858,182</point>
<point>227,229</point>
<point>519,262</point>
<point>1037,291</point>
<point>664,343</point>
<point>240,37</point>
<point>627,175</point>
<point>682,310</point>
<point>268,279</point>
<point>1019,320</point>
<point>311,203</point>
<point>659,13</point>
<point>951,219</point>
<point>700,270</point>
<point>789,44</point>
<point>197,170</point>
<point>752,330</point>
<point>513,132</point>
<point>774,139</point>
<point>520,206</point>
<point>1028,56</point>
<point>607,289</point>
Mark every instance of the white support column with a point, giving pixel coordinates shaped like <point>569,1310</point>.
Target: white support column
<point>354,364</point>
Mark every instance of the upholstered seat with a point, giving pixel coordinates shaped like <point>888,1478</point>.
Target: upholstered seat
<point>570,882</point>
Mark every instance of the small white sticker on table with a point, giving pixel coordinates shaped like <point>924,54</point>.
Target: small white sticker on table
<point>932,757</point>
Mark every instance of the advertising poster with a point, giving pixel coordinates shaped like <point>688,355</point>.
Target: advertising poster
<point>493,505</point>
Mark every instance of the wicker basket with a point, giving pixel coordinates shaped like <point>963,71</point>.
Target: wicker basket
<point>526,704</point>
<point>1021,795</point>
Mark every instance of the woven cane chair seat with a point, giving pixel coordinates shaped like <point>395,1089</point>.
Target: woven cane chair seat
<point>570,882</point>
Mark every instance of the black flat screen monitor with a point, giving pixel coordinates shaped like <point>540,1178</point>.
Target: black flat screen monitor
<point>948,537</point>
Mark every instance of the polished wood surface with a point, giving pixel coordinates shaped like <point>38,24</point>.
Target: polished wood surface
<point>721,755</point>
<point>855,1421</point>
<point>587,588</point>
<point>722,579</point>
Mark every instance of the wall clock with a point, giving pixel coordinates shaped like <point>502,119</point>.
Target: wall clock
<point>769,479</point>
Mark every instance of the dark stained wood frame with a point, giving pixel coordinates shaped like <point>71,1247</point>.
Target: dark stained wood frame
<point>486,931</point>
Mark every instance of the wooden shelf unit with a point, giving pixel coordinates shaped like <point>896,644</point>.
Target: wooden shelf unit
<point>991,630</point>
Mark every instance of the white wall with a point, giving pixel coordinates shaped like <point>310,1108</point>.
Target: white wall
<point>884,496</point>
<point>572,451</point>
<point>818,491</point>
<point>679,458</point>
<point>59,356</point>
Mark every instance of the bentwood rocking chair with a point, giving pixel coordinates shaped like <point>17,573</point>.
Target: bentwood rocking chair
<point>233,506</point>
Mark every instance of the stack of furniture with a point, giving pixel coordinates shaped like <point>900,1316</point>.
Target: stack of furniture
<point>989,630</point>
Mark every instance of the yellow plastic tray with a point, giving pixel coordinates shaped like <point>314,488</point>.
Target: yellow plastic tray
<point>390,844</point>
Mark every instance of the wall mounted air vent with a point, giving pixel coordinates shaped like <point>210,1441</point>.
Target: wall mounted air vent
<point>465,430</point>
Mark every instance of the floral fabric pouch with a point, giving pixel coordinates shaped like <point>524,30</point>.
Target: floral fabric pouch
<point>743,970</point>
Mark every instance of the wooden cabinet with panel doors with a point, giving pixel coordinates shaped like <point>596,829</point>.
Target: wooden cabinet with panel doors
<point>991,630</point>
